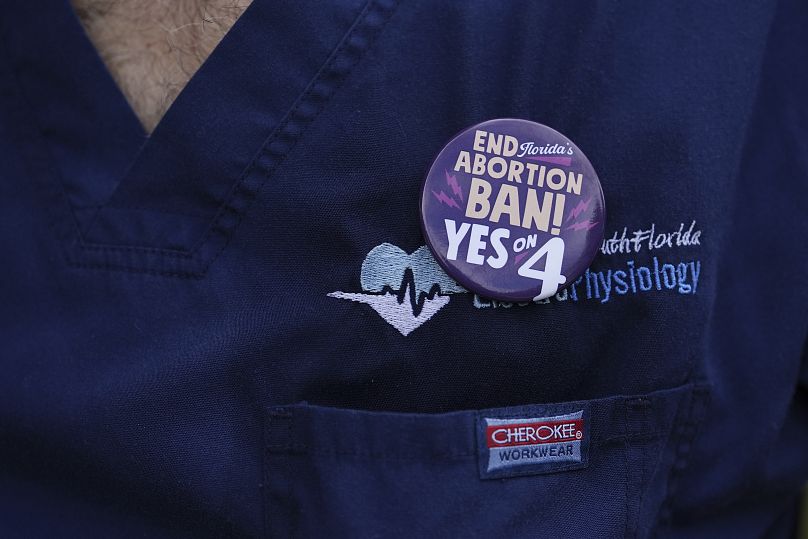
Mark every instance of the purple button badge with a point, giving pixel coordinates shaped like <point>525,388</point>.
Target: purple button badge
<point>513,210</point>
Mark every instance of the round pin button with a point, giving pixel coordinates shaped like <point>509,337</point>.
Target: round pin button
<point>513,210</point>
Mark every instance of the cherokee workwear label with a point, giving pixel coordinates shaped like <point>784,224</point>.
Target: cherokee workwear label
<point>531,445</point>
<point>512,210</point>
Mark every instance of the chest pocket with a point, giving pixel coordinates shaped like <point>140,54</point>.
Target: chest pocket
<point>345,473</point>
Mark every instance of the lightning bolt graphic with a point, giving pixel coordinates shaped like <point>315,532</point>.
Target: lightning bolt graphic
<point>451,180</point>
<point>581,226</point>
<point>577,210</point>
<point>446,199</point>
<point>518,258</point>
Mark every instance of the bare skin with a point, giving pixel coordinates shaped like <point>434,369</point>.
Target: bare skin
<point>153,47</point>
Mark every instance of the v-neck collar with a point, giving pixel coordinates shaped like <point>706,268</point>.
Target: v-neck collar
<point>88,126</point>
<point>270,74</point>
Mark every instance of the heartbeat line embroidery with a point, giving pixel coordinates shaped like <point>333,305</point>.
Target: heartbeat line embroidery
<point>404,289</point>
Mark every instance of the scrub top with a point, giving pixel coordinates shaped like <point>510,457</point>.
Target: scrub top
<point>233,327</point>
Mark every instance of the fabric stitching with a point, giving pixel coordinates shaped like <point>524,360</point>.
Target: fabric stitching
<point>291,117</point>
<point>626,469</point>
<point>685,434</point>
<point>307,93</point>
<point>646,406</point>
<point>126,269</point>
<point>327,80</point>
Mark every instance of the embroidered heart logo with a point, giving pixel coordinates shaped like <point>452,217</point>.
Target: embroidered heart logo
<point>404,289</point>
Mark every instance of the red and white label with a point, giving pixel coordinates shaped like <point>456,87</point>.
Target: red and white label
<point>526,445</point>
<point>536,432</point>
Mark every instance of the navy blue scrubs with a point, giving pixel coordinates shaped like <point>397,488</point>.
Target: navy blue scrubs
<point>232,328</point>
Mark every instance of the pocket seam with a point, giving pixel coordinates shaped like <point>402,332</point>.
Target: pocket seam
<point>685,433</point>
